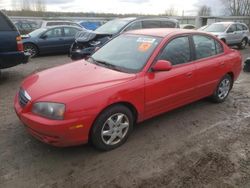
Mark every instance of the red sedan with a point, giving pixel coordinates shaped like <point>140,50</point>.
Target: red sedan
<point>134,77</point>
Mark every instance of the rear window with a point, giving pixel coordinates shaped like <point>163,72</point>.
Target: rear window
<point>6,24</point>
<point>151,24</point>
<point>168,24</point>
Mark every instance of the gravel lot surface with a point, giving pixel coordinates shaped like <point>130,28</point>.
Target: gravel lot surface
<point>199,145</point>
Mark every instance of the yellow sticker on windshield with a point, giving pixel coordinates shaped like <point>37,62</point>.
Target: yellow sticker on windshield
<point>144,46</point>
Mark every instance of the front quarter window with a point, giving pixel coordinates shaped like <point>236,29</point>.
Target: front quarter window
<point>129,53</point>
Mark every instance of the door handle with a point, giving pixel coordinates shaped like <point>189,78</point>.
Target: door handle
<point>222,64</point>
<point>189,74</point>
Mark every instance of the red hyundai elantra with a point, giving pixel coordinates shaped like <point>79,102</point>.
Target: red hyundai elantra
<point>136,76</point>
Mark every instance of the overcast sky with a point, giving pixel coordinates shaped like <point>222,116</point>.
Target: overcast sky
<point>125,6</point>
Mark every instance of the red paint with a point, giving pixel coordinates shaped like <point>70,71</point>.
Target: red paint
<point>88,89</point>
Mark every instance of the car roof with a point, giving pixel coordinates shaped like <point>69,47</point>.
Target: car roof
<point>57,21</point>
<point>161,18</point>
<point>161,32</point>
<point>58,26</point>
<point>228,23</point>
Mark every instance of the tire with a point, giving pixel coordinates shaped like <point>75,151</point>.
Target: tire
<point>223,89</point>
<point>243,44</point>
<point>112,128</point>
<point>224,40</point>
<point>31,48</point>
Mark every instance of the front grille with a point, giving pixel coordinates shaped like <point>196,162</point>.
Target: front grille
<point>23,98</point>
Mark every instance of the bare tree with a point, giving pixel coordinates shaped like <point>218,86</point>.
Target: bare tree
<point>237,7</point>
<point>39,5</point>
<point>29,5</point>
<point>171,11</point>
<point>204,11</point>
<point>26,5</point>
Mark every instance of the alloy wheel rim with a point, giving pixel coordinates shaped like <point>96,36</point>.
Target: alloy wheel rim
<point>31,50</point>
<point>243,43</point>
<point>224,89</point>
<point>115,129</point>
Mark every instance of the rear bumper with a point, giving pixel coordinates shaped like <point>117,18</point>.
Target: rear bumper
<point>11,59</point>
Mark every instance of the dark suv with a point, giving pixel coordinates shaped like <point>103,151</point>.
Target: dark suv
<point>87,41</point>
<point>11,46</point>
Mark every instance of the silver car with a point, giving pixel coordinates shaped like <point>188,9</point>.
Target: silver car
<point>232,33</point>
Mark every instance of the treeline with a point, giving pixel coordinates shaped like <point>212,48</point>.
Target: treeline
<point>30,13</point>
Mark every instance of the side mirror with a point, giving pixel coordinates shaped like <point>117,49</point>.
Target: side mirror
<point>44,37</point>
<point>162,65</point>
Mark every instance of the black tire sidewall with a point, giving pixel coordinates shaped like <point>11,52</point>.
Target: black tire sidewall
<point>215,96</point>
<point>98,125</point>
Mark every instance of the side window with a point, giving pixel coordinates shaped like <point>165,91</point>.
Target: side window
<point>5,24</point>
<point>54,33</point>
<point>244,27</point>
<point>70,32</point>
<point>231,29</point>
<point>151,24</point>
<point>204,46</point>
<point>177,51</point>
<point>168,24</point>
<point>26,26</point>
<point>134,26</point>
<point>219,47</point>
<point>239,27</point>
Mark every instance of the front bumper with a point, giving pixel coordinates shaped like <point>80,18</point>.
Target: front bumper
<point>60,133</point>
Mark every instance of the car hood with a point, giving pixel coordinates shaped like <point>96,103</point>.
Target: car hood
<point>74,76</point>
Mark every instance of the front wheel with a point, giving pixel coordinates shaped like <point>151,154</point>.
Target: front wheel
<point>112,128</point>
<point>223,89</point>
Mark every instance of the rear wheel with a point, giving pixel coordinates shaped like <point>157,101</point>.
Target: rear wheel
<point>223,89</point>
<point>112,128</point>
<point>243,44</point>
<point>31,49</point>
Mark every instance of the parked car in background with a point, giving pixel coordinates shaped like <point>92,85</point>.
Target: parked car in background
<point>202,28</point>
<point>136,76</point>
<point>187,26</point>
<point>86,43</point>
<point>25,27</point>
<point>90,25</point>
<point>49,23</point>
<point>11,47</point>
<point>54,39</point>
<point>232,33</point>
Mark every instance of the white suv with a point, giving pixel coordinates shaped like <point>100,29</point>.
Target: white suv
<point>232,33</point>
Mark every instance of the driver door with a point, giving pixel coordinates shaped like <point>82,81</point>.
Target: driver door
<point>52,41</point>
<point>168,90</point>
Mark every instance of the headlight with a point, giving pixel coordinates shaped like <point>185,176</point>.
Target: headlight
<point>49,110</point>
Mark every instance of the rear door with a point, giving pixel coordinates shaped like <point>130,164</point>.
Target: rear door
<point>167,90</point>
<point>210,64</point>
<point>69,36</point>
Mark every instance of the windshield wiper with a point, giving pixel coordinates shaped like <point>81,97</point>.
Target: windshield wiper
<point>105,64</point>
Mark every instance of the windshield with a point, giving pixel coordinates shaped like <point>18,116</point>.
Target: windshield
<point>127,53</point>
<point>112,27</point>
<point>216,28</point>
<point>37,32</point>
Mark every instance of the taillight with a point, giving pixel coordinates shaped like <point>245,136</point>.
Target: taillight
<point>19,44</point>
